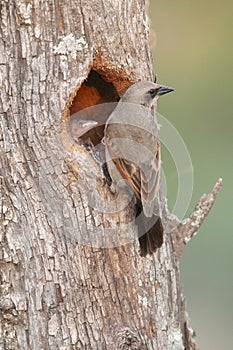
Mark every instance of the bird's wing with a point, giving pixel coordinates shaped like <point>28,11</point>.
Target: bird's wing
<point>129,172</point>
<point>137,159</point>
<point>150,179</point>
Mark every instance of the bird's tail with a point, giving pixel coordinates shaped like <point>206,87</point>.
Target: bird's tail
<point>150,231</point>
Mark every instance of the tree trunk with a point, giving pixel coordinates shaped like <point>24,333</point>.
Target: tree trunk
<point>66,283</point>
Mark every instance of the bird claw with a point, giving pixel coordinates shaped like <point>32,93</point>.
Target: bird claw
<point>106,175</point>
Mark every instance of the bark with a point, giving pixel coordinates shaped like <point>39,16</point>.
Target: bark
<point>64,283</point>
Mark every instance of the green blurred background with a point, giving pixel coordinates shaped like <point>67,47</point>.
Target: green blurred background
<point>193,53</point>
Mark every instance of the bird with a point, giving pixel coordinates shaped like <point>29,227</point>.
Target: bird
<point>132,149</point>
<point>79,127</point>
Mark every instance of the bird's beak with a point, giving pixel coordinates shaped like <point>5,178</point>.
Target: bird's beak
<point>85,126</point>
<point>164,90</point>
<point>88,124</point>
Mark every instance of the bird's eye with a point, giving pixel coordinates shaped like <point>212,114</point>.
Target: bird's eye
<point>152,92</point>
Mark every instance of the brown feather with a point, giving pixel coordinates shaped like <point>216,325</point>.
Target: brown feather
<point>132,143</point>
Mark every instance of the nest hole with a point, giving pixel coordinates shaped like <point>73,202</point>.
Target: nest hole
<point>91,107</point>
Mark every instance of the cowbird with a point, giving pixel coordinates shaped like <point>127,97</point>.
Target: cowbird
<point>133,151</point>
<point>78,127</point>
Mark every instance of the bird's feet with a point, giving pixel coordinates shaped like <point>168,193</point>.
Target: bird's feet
<point>106,175</point>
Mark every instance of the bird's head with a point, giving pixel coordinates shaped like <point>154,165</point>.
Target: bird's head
<point>145,93</point>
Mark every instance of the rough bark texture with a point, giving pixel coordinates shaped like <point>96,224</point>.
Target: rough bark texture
<point>57,291</point>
